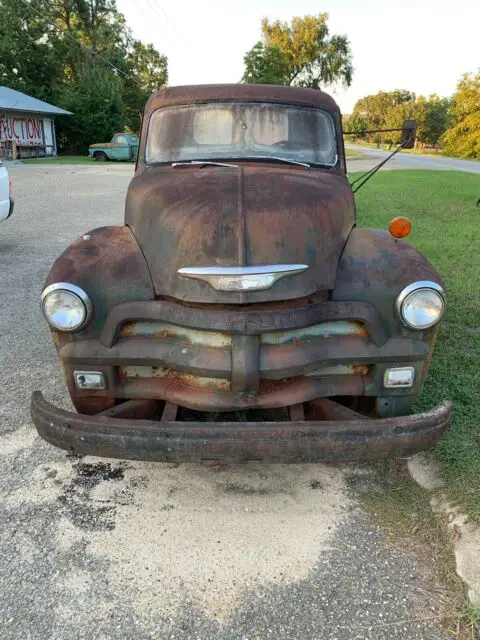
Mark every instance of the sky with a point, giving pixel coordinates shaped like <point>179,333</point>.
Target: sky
<point>420,45</point>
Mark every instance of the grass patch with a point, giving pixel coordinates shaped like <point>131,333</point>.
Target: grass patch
<point>402,507</point>
<point>62,160</point>
<point>441,205</point>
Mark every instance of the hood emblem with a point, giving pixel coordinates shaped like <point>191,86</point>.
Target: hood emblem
<point>242,278</point>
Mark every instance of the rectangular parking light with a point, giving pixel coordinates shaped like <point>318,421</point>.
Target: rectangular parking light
<point>399,377</point>
<point>89,379</point>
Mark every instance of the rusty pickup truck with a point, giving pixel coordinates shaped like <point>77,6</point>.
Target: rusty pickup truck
<point>240,313</point>
<point>123,146</point>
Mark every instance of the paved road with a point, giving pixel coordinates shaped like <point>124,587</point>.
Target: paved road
<point>410,161</point>
<point>97,549</point>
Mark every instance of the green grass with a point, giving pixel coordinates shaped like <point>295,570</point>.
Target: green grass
<point>61,160</point>
<point>445,223</point>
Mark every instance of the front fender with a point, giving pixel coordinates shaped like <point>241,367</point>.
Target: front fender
<point>375,267</point>
<point>109,265</point>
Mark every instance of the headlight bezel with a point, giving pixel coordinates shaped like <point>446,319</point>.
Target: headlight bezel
<point>414,287</point>
<point>74,290</point>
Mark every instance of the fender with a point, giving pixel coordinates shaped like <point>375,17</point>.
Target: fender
<point>109,265</point>
<point>375,267</point>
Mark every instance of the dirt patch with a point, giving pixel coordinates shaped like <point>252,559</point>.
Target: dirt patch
<point>205,534</point>
<point>15,441</point>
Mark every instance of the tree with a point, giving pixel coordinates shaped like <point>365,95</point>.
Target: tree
<point>301,53</point>
<point>265,65</point>
<point>375,109</point>
<point>354,123</point>
<point>463,137</point>
<point>149,72</point>
<point>383,110</point>
<point>433,118</point>
<point>28,59</point>
<point>388,110</point>
<point>79,54</point>
<point>95,100</point>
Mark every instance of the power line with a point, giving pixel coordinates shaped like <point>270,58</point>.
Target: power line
<point>154,13</point>
<point>149,15</point>
<point>95,53</point>
<point>165,14</point>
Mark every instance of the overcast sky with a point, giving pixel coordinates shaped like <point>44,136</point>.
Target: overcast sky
<point>420,45</point>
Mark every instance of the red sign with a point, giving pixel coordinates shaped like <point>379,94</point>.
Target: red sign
<point>21,129</point>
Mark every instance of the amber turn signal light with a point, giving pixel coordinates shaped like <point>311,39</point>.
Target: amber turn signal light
<point>400,227</point>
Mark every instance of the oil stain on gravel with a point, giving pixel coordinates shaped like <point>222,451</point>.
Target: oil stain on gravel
<point>76,503</point>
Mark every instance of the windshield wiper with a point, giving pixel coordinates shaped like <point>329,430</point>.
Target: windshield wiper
<point>279,159</point>
<point>203,163</point>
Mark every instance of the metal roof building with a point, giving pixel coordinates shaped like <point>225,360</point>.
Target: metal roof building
<point>27,126</point>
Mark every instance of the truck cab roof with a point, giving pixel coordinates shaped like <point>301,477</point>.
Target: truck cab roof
<point>190,94</point>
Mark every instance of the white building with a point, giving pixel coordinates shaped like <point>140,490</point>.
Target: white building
<point>27,127</point>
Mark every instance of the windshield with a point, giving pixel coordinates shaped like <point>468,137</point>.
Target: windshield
<point>236,130</point>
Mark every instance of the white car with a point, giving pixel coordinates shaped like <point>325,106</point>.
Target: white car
<point>6,201</point>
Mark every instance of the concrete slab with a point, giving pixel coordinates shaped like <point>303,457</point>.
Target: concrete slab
<point>466,534</point>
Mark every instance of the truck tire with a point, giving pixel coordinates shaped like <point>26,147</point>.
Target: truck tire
<point>100,156</point>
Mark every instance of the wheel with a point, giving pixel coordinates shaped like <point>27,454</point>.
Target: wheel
<point>100,156</point>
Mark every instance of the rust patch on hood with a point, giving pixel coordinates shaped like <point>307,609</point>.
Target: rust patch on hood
<point>240,216</point>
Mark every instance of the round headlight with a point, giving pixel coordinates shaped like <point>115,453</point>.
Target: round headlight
<point>421,304</point>
<point>66,307</point>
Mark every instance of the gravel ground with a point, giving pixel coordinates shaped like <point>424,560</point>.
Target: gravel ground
<point>93,548</point>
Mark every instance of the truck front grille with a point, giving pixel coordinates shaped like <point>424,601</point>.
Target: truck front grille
<point>221,339</point>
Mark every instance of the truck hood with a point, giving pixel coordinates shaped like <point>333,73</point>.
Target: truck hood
<point>240,216</point>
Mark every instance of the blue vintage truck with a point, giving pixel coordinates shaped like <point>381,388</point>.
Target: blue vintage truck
<point>123,146</point>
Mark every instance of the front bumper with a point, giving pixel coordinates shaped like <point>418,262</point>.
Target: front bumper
<point>297,441</point>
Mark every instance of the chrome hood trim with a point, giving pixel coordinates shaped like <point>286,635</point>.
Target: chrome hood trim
<point>254,278</point>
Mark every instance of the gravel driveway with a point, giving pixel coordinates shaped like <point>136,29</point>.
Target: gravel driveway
<point>93,548</point>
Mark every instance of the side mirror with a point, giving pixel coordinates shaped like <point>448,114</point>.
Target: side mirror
<point>409,131</point>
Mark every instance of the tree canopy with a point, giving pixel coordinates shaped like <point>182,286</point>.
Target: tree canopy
<point>81,55</point>
<point>389,109</point>
<point>463,137</point>
<point>301,53</point>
